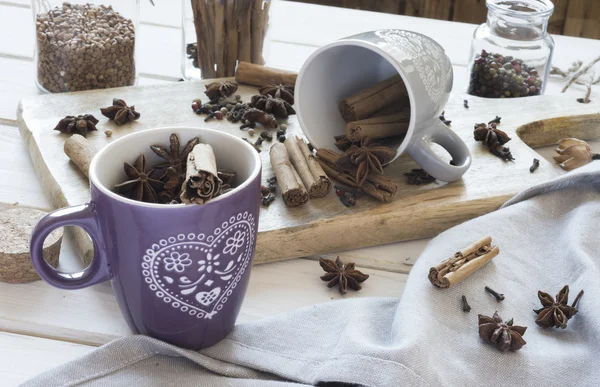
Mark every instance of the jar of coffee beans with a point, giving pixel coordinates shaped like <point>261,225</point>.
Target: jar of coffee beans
<point>84,46</point>
<point>511,52</point>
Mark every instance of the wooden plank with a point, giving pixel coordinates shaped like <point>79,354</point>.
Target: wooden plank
<point>23,357</point>
<point>583,19</point>
<point>19,183</point>
<point>469,11</point>
<point>322,225</point>
<point>557,20</point>
<point>91,316</point>
<point>389,6</point>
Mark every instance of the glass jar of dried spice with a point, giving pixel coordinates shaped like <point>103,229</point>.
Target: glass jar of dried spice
<point>511,52</point>
<point>219,33</point>
<point>83,46</point>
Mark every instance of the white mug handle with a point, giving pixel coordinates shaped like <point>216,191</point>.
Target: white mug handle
<point>420,150</point>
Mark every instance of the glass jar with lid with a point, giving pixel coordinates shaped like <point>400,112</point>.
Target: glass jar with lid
<point>216,34</point>
<point>511,52</point>
<point>82,45</point>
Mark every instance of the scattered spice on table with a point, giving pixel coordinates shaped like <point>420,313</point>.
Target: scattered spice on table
<point>120,112</point>
<point>535,165</point>
<point>494,138</point>
<point>418,177</point>
<point>279,107</point>
<point>465,305</point>
<point>498,296</point>
<point>497,76</point>
<point>347,198</point>
<point>217,90</point>
<point>253,115</point>
<point>575,73</point>
<point>343,275</point>
<point>272,184</point>
<point>342,142</point>
<point>367,157</point>
<point>504,335</point>
<point>108,133</point>
<point>285,92</point>
<point>444,120</point>
<point>556,312</point>
<point>266,136</point>
<point>266,196</point>
<point>81,124</point>
<point>253,145</point>
<point>574,153</point>
<point>466,104</point>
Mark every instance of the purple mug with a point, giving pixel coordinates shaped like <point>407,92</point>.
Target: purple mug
<point>179,272</point>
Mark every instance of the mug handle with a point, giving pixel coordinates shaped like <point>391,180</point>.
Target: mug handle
<point>83,216</point>
<point>420,150</point>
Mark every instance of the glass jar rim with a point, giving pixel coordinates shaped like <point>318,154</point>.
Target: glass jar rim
<point>541,8</point>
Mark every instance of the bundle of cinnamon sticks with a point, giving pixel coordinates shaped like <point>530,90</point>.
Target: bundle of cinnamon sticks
<point>228,31</point>
<point>298,172</point>
<point>379,111</point>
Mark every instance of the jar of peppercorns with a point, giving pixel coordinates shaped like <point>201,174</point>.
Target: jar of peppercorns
<point>511,52</point>
<point>82,45</point>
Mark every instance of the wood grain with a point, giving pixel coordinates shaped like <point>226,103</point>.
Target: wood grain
<point>557,20</point>
<point>470,11</point>
<point>324,225</point>
<point>583,19</point>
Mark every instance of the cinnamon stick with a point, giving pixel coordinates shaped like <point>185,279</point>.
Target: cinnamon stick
<point>201,178</point>
<point>231,38</point>
<point>245,30</point>
<point>463,263</point>
<point>80,151</point>
<point>377,186</point>
<point>378,127</point>
<point>368,101</point>
<point>220,36</point>
<point>257,75</point>
<point>312,175</point>
<point>290,184</point>
<point>203,22</point>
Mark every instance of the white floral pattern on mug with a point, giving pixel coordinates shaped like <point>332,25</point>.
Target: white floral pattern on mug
<point>177,262</point>
<point>234,243</point>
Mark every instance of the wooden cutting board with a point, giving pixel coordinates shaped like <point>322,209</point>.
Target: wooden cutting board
<point>324,225</point>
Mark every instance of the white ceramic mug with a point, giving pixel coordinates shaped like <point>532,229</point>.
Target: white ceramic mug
<point>349,65</point>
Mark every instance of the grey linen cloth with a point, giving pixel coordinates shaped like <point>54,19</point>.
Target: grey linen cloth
<point>548,237</point>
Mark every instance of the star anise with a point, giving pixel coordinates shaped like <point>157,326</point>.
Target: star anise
<point>556,313</point>
<point>418,177</point>
<point>81,124</point>
<point>172,180</point>
<point>279,107</point>
<point>367,157</point>
<point>175,157</point>
<point>216,90</point>
<point>120,112</point>
<point>494,138</point>
<point>345,276</point>
<point>504,335</point>
<point>285,92</point>
<point>140,186</point>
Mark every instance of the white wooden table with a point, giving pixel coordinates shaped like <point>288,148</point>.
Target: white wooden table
<point>42,327</point>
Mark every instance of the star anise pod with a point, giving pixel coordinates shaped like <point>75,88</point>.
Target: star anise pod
<point>175,157</point>
<point>556,313</point>
<point>345,276</point>
<point>367,157</point>
<point>216,90</point>
<point>494,138</point>
<point>253,115</point>
<point>140,186</point>
<point>120,112</point>
<point>285,92</point>
<point>504,335</point>
<point>279,107</point>
<point>172,180</point>
<point>81,124</point>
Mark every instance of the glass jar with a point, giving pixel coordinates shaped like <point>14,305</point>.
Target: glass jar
<point>229,31</point>
<point>511,52</point>
<point>83,46</point>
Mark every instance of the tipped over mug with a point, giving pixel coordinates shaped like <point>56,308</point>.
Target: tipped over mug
<point>349,65</point>
<point>179,272</point>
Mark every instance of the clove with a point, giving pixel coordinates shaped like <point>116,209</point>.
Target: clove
<point>466,104</point>
<point>496,120</point>
<point>498,296</point>
<point>536,164</point>
<point>465,305</point>
<point>250,125</point>
<point>444,120</point>
<point>253,145</point>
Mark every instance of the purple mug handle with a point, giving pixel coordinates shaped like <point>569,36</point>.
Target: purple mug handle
<point>84,217</point>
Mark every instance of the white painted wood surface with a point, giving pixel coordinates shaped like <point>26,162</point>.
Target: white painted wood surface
<point>37,310</point>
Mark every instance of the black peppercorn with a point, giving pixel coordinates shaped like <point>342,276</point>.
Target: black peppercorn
<point>280,132</point>
<point>281,138</point>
